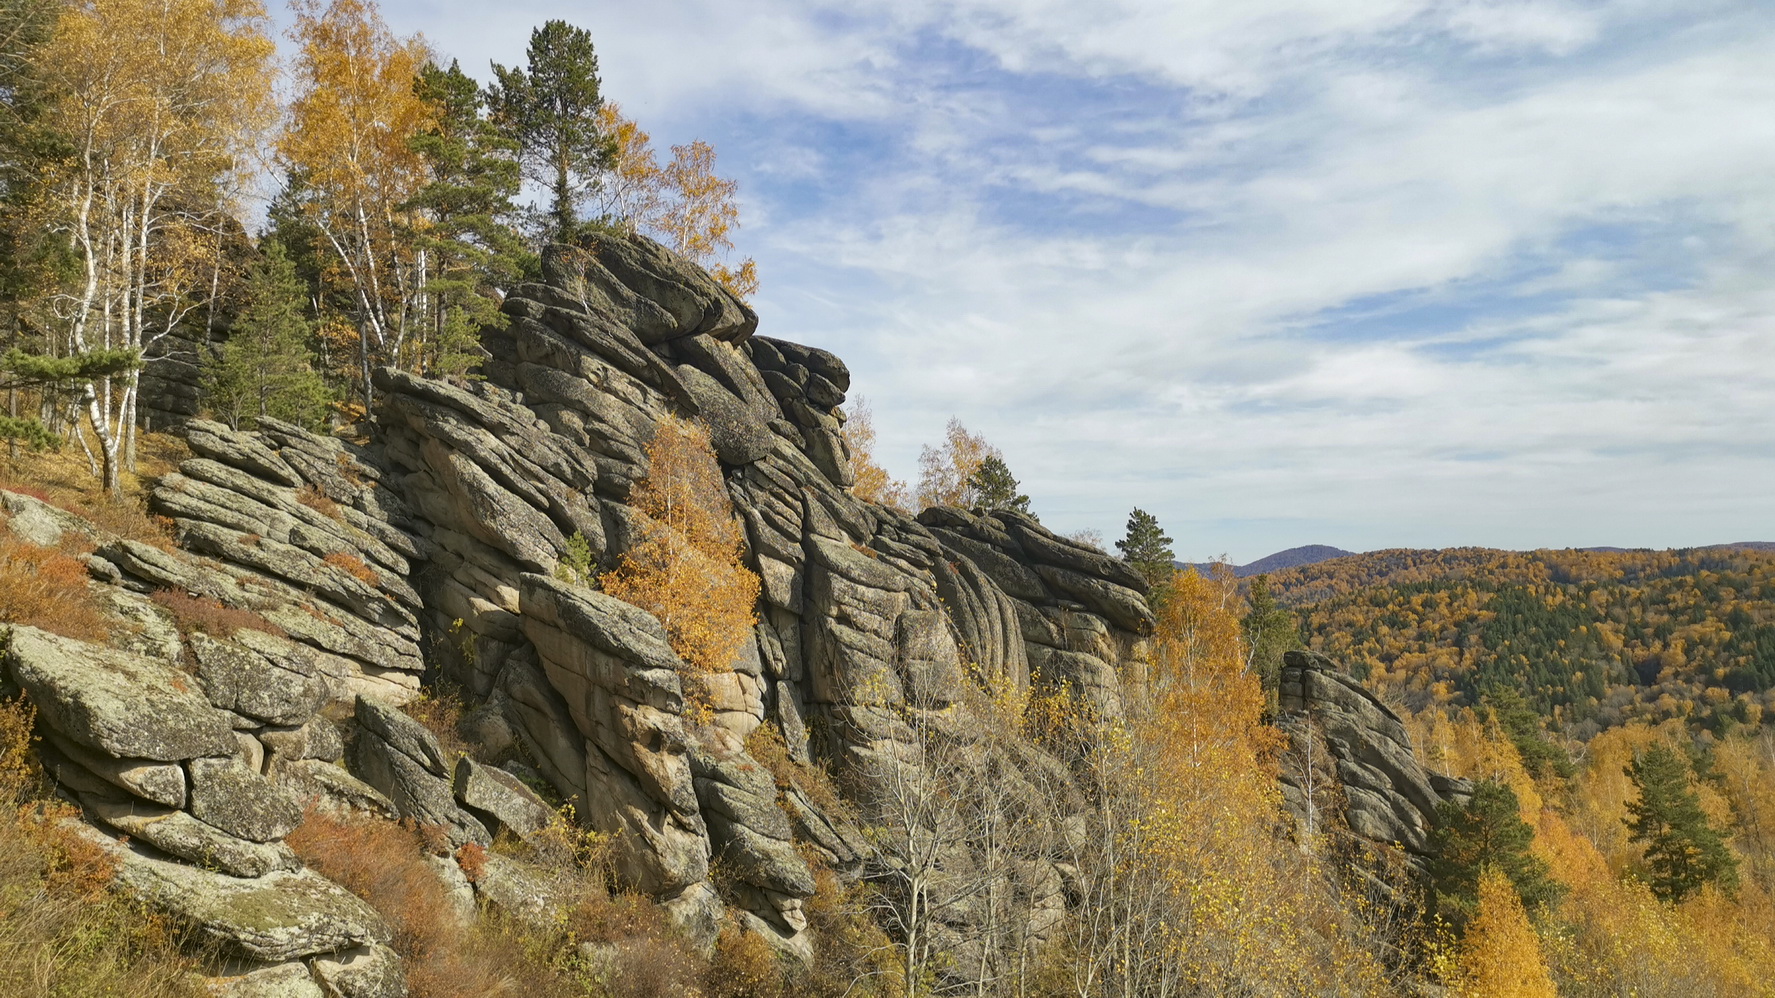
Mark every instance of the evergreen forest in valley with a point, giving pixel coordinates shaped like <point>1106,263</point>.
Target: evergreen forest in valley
<point>463,437</point>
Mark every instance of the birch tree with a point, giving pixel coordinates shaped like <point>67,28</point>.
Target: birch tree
<point>161,103</point>
<point>348,138</point>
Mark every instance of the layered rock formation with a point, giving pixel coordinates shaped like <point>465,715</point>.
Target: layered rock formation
<point>1350,767</point>
<point>432,551</point>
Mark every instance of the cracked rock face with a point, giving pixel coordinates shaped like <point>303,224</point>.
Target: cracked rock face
<point>434,550</point>
<point>1350,764</point>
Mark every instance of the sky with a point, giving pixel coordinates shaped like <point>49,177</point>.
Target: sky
<point>1369,273</point>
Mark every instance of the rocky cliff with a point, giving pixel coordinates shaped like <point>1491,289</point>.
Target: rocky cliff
<point>355,573</point>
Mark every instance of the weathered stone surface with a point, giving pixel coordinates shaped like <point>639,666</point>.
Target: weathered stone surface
<point>281,980</point>
<point>241,450</point>
<point>122,704</point>
<point>738,432</point>
<point>747,829</point>
<point>314,782</point>
<point>157,782</point>
<point>280,916</point>
<point>1358,745</point>
<point>237,800</point>
<point>402,760</point>
<point>281,688</point>
<point>619,680</point>
<point>501,797</point>
<point>526,891</point>
<point>363,972</point>
<point>686,292</point>
<point>177,833</point>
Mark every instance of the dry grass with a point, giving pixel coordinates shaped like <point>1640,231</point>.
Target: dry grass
<point>384,863</point>
<point>765,744</point>
<point>62,478</point>
<point>47,587</point>
<point>62,933</point>
<point>199,613</point>
<point>316,500</point>
<point>440,709</point>
<point>353,566</point>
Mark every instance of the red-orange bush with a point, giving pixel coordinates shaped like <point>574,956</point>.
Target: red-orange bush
<point>353,566</point>
<point>198,613</point>
<point>45,587</point>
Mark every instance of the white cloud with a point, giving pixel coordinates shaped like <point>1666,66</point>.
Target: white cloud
<point>1114,237</point>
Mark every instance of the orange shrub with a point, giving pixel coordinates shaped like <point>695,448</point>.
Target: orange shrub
<point>199,613</point>
<point>45,587</point>
<point>353,566</point>
<point>316,500</point>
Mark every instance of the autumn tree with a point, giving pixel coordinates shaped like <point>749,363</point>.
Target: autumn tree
<point>470,220</point>
<point>1683,850</point>
<point>688,568</point>
<point>1485,833</point>
<point>551,107</point>
<point>267,366</point>
<point>347,143</point>
<point>1147,549</point>
<point>1501,954</point>
<point>683,203</point>
<point>160,105</point>
<point>995,488</point>
<point>946,472</point>
<point>873,483</point>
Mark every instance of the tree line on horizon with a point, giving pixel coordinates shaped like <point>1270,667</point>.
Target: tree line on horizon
<point>132,137</point>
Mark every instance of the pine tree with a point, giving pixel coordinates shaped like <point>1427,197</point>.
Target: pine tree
<point>1270,631</point>
<point>995,488</point>
<point>1147,548</point>
<point>1486,833</point>
<point>473,244</point>
<point>1522,723</point>
<point>267,366</point>
<point>21,370</point>
<point>1683,849</point>
<point>550,108</point>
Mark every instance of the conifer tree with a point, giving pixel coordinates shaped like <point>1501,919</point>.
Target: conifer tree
<point>1485,833</point>
<point>21,370</point>
<point>473,244</point>
<point>267,366</point>
<point>1683,849</point>
<point>550,107</point>
<point>1147,549</point>
<point>1270,631</point>
<point>995,488</point>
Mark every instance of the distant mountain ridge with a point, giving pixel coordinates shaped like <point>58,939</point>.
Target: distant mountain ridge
<point>1313,554</point>
<point>1306,554</point>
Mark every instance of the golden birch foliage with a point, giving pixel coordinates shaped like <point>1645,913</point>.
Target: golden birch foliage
<point>162,103</point>
<point>347,140</point>
<point>944,471</point>
<point>873,483</point>
<point>1501,955</point>
<point>1457,742</point>
<point>689,568</point>
<point>631,192</point>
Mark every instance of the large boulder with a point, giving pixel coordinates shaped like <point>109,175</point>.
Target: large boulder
<point>119,703</point>
<point>280,916</point>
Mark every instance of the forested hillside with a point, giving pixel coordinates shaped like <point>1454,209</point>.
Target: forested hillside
<point>1592,638</point>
